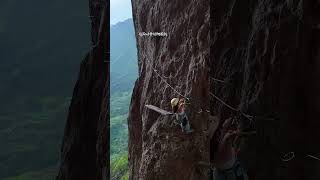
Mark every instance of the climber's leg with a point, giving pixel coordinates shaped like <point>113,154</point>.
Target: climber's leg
<point>185,125</point>
<point>182,118</point>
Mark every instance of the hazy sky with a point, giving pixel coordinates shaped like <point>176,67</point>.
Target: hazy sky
<point>120,10</point>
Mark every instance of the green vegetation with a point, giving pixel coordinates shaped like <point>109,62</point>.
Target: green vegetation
<point>119,106</point>
<point>119,103</point>
<point>44,174</point>
<point>32,130</point>
<point>119,167</point>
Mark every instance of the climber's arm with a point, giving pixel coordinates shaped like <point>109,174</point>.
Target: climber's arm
<point>185,103</point>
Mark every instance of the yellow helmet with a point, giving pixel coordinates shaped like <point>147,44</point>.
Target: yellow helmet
<point>174,102</point>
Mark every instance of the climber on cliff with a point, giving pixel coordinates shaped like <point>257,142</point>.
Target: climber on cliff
<point>227,166</point>
<point>178,108</point>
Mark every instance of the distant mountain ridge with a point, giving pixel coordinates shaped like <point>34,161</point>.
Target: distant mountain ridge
<point>123,57</point>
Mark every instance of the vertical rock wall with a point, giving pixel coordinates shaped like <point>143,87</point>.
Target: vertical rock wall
<point>268,52</point>
<point>157,147</point>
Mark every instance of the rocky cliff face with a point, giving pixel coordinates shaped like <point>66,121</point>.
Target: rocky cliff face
<point>157,147</point>
<point>266,52</point>
<point>85,153</point>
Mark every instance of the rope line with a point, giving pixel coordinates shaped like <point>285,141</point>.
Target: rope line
<point>217,80</point>
<point>224,103</point>
<point>288,157</point>
<point>249,117</point>
<point>163,79</point>
<point>313,157</point>
<point>168,83</point>
<point>291,155</point>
